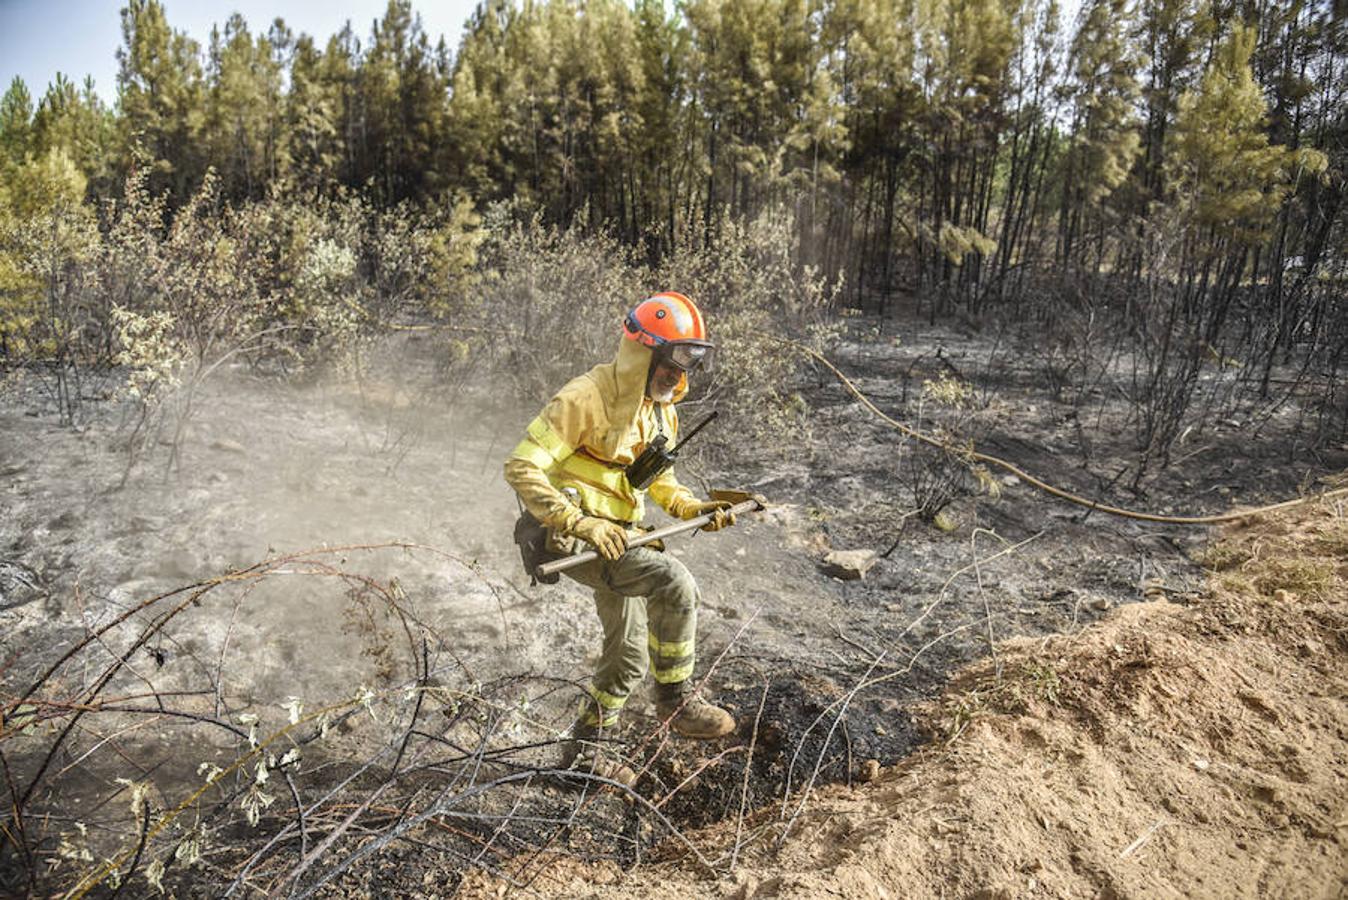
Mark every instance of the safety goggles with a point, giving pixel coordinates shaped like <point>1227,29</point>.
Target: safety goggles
<point>687,356</point>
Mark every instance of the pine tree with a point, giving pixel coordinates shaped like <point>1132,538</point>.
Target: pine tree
<point>243,110</point>
<point>162,97</point>
<point>339,75</point>
<point>1104,136</point>
<point>402,96</point>
<point>665,144</point>
<point>81,125</point>
<point>313,139</point>
<point>1226,176</point>
<point>1171,33</point>
<point>872,51</point>
<point>16,124</point>
<point>490,124</point>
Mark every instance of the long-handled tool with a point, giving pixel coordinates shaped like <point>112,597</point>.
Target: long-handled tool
<point>753,504</point>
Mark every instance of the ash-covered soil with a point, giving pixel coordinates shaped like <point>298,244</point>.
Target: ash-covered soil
<point>390,575</point>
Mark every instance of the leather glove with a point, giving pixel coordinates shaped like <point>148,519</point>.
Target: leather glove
<point>606,537</point>
<point>720,510</point>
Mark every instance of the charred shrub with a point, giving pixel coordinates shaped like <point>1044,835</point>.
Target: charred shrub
<point>937,476</point>
<point>755,296</point>
<point>281,286</point>
<point>549,302</point>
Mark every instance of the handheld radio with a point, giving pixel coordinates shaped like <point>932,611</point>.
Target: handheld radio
<point>655,459</point>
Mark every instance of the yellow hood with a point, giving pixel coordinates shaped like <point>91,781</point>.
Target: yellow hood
<point>622,387</point>
<point>593,428</point>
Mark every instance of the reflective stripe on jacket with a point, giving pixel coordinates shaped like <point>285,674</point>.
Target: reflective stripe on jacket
<point>601,484</point>
<point>586,437</point>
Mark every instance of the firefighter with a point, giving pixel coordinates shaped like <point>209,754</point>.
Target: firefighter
<point>569,472</point>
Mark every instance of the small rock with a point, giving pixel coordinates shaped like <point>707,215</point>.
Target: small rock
<point>144,524</point>
<point>849,565</point>
<point>1311,647</point>
<point>65,520</point>
<point>1282,595</point>
<point>229,446</point>
<point>870,770</point>
<point>1010,480</point>
<point>1102,603</point>
<point>1201,765</point>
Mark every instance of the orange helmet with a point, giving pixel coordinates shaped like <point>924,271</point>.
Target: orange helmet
<point>670,324</point>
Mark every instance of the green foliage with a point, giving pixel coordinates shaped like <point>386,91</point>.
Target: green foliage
<point>1104,94</point>
<point>956,243</point>
<point>79,124</point>
<point>1033,683</point>
<point>16,124</point>
<point>1153,157</point>
<point>947,390</point>
<point>243,114</point>
<point>1225,172</point>
<point>162,95</point>
<point>46,234</point>
<point>149,353</point>
<point>44,184</point>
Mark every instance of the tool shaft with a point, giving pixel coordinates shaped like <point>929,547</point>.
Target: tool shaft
<point>578,559</point>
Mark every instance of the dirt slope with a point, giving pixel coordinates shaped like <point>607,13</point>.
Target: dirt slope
<point>1167,751</point>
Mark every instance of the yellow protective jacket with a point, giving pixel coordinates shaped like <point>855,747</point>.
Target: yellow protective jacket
<point>595,426</point>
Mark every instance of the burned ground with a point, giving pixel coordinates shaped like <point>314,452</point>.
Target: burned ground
<point>391,594</point>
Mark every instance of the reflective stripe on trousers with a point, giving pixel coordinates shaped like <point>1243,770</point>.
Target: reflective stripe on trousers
<point>647,602</point>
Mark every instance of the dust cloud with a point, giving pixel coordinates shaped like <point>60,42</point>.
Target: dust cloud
<point>396,464</point>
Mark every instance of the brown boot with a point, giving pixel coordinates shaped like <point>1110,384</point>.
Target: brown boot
<point>583,752</point>
<point>696,718</point>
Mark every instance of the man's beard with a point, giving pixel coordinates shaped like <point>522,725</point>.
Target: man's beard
<point>659,396</point>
